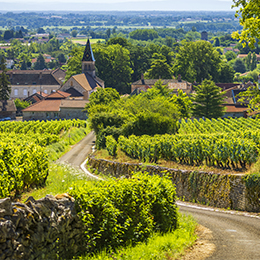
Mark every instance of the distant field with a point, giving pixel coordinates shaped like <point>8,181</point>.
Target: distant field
<point>84,40</point>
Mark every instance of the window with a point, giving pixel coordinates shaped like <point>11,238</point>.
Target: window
<point>25,92</point>
<point>71,83</point>
<point>34,91</point>
<point>56,115</point>
<point>47,115</point>
<point>16,92</point>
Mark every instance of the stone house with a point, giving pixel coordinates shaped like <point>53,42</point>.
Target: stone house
<point>53,109</point>
<point>173,84</point>
<point>27,82</point>
<point>57,105</point>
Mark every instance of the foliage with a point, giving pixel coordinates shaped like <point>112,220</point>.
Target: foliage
<point>226,73</point>
<point>111,145</point>
<point>159,69</point>
<point>117,212</point>
<point>23,157</point>
<point>5,89</point>
<point>230,55</point>
<point>196,61</point>
<point>143,34</point>
<point>104,132</point>
<point>40,63</point>
<point>113,63</point>
<point>208,100</point>
<point>248,13</point>
<point>20,104</point>
<point>74,63</point>
<point>22,166</point>
<point>229,150</point>
<point>159,246</point>
<point>103,96</point>
<point>239,66</point>
<point>252,95</point>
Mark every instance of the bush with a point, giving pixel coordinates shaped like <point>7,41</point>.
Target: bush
<point>118,212</point>
<point>101,137</point>
<point>111,145</point>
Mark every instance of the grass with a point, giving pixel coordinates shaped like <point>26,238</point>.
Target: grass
<point>122,157</point>
<point>167,246</point>
<point>69,138</point>
<point>60,179</point>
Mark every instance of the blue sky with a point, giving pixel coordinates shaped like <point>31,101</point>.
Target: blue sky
<point>120,5</point>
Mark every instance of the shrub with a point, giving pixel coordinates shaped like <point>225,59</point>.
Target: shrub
<point>111,145</point>
<point>101,137</point>
<point>118,212</point>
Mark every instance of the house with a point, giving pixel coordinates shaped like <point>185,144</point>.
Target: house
<point>51,109</point>
<point>59,74</point>
<point>7,109</point>
<point>35,97</point>
<point>172,84</point>
<point>233,110</point>
<point>27,82</point>
<point>82,85</point>
<point>242,56</point>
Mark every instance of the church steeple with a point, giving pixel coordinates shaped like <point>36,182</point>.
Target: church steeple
<point>88,61</point>
<point>88,54</point>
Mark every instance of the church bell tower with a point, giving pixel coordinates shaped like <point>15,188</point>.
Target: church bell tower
<point>88,61</point>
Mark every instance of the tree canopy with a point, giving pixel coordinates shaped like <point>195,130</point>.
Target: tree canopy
<point>5,89</point>
<point>198,60</point>
<point>248,13</point>
<point>208,100</point>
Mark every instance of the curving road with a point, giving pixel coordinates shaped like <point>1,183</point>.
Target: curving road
<point>236,237</point>
<point>79,151</point>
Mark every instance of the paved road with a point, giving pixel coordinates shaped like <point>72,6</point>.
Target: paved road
<point>80,151</point>
<point>235,236</point>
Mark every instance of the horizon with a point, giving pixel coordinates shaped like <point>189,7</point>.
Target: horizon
<point>116,5</point>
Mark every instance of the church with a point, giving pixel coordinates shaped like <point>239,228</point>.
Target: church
<point>80,86</point>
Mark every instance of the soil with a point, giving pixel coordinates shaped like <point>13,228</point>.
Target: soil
<point>203,246</point>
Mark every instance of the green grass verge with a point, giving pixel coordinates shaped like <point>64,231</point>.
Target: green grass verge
<point>171,245</point>
<point>60,179</point>
<point>69,138</point>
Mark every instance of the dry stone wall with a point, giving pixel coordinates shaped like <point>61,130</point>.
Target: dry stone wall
<point>48,228</point>
<point>218,190</point>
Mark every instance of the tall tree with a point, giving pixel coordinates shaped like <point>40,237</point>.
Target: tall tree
<point>113,64</point>
<point>196,61</point>
<point>40,63</point>
<point>159,69</point>
<point>208,100</point>
<point>253,62</point>
<point>5,88</point>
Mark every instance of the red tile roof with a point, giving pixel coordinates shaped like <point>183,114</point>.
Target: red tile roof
<point>44,106</point>
<point>230,108</point>
<point>58,95</point>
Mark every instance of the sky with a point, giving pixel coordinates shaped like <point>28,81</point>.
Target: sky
<point>116,5</point>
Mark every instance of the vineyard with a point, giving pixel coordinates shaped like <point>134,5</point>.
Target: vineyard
<point>225,143</point>
<point>23,157</point>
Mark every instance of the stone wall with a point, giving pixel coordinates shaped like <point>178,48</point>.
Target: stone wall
<point>48,228</point>
<point>218,190</point>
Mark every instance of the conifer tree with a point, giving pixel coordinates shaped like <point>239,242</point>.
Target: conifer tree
<point>5,88</point>
<point>208,100</point>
